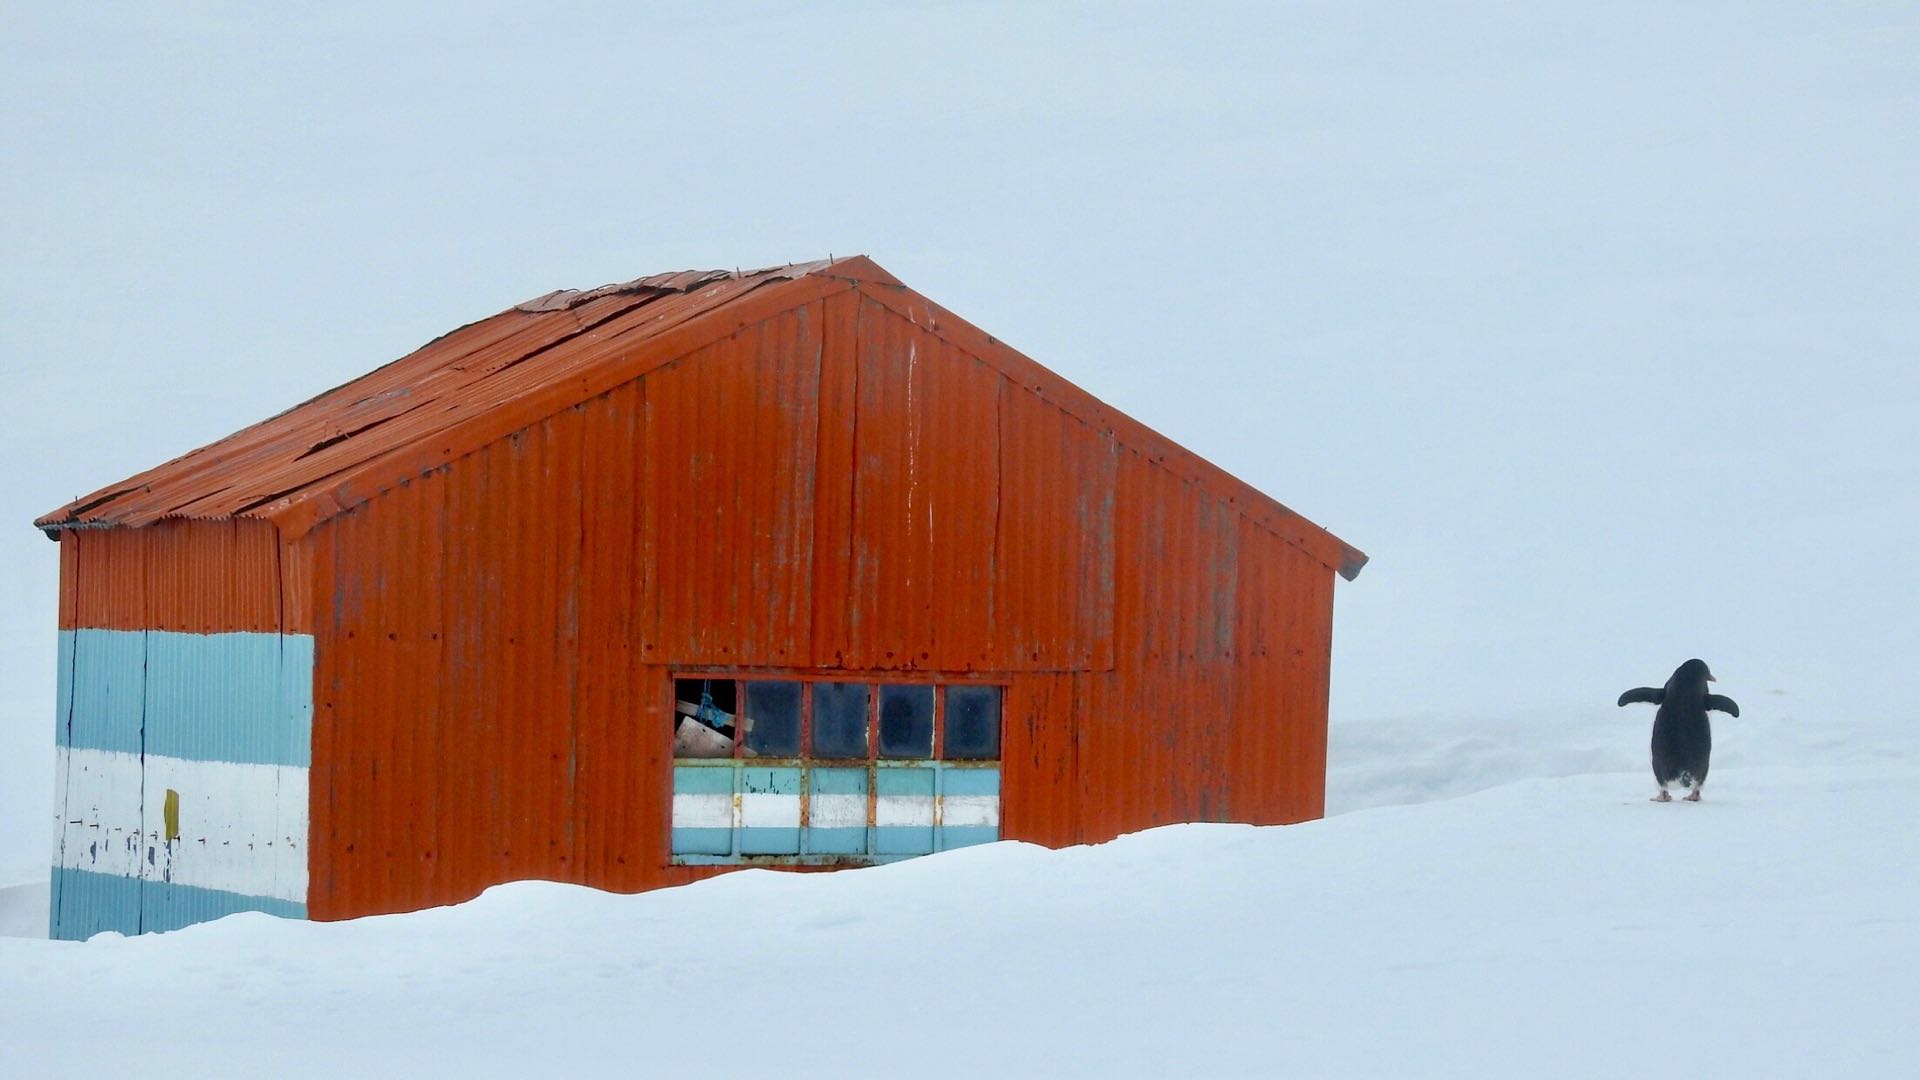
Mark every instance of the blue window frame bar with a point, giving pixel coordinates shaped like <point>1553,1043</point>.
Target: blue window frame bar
<point>812,780</point>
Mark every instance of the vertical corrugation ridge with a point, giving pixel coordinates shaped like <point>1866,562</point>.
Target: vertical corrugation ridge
<point>146,690</point>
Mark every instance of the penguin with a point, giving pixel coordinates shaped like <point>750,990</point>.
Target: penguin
<point>1682,739</point>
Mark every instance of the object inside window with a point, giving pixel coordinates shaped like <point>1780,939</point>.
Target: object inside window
<point>704,717</point>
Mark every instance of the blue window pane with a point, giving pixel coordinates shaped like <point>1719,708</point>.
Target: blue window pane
<point>773,709</point>
<point>973,723</point>
<point>906,721</point>
<point>839,720</point>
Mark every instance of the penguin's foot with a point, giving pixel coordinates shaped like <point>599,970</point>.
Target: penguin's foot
<point>1662,797</point>
<point>1692,796</point>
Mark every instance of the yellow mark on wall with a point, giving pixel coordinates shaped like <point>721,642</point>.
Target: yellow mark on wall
<point>172,814</point>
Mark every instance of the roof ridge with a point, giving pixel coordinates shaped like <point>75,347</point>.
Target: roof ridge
<point>675,281</point>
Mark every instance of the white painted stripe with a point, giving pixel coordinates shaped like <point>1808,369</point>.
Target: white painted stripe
<point>970,810</point>
<point>703,810</point>
<point>243,828</point>
<point>714,810</point>
<point>837,811</point>
<point>101,820</point>
<point>903,810</point>
<point>761,810</point>
<point>60,763</point>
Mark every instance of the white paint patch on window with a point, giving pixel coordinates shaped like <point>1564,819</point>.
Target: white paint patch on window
<point>970,810</point>
<point>903,810</point>
<point>704,810</point>
<point>769,811</point>
<point>837,811</point>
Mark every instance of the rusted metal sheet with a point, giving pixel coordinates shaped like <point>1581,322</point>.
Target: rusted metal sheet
<point>475,721</point>
<point>501,374</point>
<point>831,641</point>
<point>727,447</point>
<point>692,518</point>
<point>1054,562</point>
<point>199,577</point>
<point>518,365</point>
<point>1040,796</point>
<point>1210,712</point>
<point>507,544</point>
<point>926,477</point>
<point>677,282</point>
<point>1025,372</point>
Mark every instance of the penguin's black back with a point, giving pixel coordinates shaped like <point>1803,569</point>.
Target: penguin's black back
<point>1682,738</point>
<point>1682,743</point>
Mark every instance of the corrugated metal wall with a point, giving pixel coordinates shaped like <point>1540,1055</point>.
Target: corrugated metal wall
<point>199,577</point>
<point>182,728</point>
<point>835,487</point>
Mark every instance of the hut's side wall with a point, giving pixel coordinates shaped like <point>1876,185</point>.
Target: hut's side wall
<point>182,728</point>
<point>834,489</point>
<point>1216,707</point>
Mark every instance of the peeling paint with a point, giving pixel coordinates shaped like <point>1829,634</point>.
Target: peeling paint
<point>162,783</point>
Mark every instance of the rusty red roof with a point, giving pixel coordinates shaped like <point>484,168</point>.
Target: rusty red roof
<point>491,378</point>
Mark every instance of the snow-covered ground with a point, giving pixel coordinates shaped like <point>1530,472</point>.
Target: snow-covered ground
<point>1524,911</point>
<point>23,904</point>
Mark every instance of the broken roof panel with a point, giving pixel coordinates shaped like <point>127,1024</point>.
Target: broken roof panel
<point>406,400</point>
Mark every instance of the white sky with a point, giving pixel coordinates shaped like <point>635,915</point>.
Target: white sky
<point>1597,331</point>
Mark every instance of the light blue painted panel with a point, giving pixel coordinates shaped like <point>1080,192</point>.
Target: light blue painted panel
<point>904,780</point>
<point>957,781</point>
<point>844,839</point>
<point>902,840</point>
<point>86,904</point>
<point>916,780</point>
<point>912,782</point>
<point>780,860</point>
<point>242,697</point>
<point>224,697</point>
<point>958,836</point>
<point>296,697</point>
<point>703,779</point>
<point>716,779</point>
<point>702,842</point>
<point>961,781</point>
<point>848,840</point>
<point>90,903</point>
<point>109,686</point>
<point>762,840</point>
<point>827,781</point>
<point>759,780</point>
<point>167,906</point>
<point>63,684</point>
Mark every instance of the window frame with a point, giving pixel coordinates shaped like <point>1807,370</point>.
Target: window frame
<point>806,761</point>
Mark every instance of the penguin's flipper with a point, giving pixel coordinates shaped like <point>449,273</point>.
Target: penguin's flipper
<point>1651,695</point>
<point>1723,704</point>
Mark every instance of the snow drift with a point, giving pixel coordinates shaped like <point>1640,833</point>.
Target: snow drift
<point>1557,924</point>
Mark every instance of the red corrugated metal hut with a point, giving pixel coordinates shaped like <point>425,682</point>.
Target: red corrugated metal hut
<point>629,586</point>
